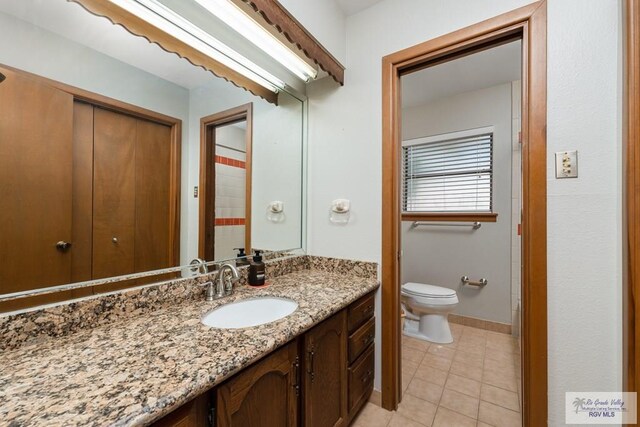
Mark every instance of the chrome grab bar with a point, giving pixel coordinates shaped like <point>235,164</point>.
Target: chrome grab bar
<point>480,283</point>
<point>474,225</point>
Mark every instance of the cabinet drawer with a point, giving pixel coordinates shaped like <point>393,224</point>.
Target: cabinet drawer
<point>360,311</point>
<point>361,339</point>
<point>361,379</point>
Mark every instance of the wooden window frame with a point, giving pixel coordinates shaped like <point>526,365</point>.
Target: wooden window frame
<point>206,233</point>
<point>528,23</point>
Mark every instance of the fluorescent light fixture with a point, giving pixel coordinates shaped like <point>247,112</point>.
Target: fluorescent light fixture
<point>163,18</point>
<point>237,19</point>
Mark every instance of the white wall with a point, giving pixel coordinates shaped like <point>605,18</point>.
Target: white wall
<point>584,213</point>
<point>485,252</point>
<point>277,135</point>
<point>325,20</point>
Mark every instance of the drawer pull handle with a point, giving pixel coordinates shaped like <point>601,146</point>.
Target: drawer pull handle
<point>367,376</point>
<point>296,384</point>
<point>311,368</point>
<point>368,338</point>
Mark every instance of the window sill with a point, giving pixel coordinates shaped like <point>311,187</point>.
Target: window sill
<point>462,217</point>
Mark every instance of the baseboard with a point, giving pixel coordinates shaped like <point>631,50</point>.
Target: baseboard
<point>376,398</point>
<point>488,325</point>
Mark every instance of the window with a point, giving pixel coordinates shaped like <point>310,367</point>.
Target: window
<point>450,173</point>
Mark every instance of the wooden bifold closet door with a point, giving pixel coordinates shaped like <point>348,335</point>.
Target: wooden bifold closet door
<point>131,198</point>
<point>86,191</point>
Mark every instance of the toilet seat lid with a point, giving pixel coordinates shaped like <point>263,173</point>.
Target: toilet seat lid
<point>422,289</point>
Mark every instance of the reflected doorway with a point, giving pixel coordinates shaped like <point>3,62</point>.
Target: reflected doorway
<point>225,184</point>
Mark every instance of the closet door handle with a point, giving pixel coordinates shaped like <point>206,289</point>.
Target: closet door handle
<point>63,246</point>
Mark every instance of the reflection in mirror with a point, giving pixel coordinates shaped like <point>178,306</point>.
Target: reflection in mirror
<point>100,145</point>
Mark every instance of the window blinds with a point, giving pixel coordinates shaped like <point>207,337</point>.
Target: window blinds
<point>453,175</point>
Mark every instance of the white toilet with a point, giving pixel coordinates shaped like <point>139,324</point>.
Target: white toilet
<point>427,308</point>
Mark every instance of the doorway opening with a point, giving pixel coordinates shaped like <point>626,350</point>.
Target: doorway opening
<point>430,201</point>
<point>225,183</point>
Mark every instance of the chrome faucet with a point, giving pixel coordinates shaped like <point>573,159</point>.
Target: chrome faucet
<point>224,287</point>
<point>219,287</point>
<point>199,265</point>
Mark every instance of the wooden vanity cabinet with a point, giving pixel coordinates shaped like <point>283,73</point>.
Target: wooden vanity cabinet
<point>325,373</point>
<point>192,414</point>
<point>321,379</point>
<point>265,394</point>
<point>361,370</point>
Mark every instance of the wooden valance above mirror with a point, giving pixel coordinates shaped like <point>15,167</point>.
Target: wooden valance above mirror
<point>270,14</point>
<point>275,18</point>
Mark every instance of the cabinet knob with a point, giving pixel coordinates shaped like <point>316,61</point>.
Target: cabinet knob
<point>63,246</point>
<point>115,240</point>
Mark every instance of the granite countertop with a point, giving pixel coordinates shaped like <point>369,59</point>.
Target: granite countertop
<point>138,369</point>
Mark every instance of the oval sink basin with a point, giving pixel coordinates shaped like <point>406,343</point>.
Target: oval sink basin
<point>249,312</point>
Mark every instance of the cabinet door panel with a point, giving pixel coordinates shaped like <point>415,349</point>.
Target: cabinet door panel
<point>325,380</point>
<point>36,123</point>
<point>263,395</point>
<point>113,194</point>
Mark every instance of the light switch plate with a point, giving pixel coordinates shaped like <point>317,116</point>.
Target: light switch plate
<point>567,164</point>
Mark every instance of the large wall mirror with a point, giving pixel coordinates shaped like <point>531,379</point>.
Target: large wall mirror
<point>118,157</point>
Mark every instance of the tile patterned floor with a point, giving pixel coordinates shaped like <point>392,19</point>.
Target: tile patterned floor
<point>474,381</point>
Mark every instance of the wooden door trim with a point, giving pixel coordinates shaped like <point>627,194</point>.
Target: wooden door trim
<point>631,194</point>
<point>206,210</point>
<point>529,24</point>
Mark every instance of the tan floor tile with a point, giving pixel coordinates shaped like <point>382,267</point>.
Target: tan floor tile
<point>506,347</point>
<point>498,416</point>
<point>425,390</point>
<point>409,367</point>
<point>398,420</point>
<point>463,385</point>
<point>481,424</point>
<point>477,349</point>
<point>500,337</point>
<point>456,327</point>
<point>465,370</point>
<point>469,358</point>
<point>372,416</point>
<point>460,403</point>
<point>412,355</point>
<point>502,379</point>
<point>441,351</point>
<point>417,409</point>
<point>472,339</point>
<point>415,343</point>
<point>497,365</point>
<point>500,397</point>
<point>406,380</point>
<point>436,362</point>
<point>447,418</point>
<point>432,375</point>
<point>470,330</point>
<point>499,355</point>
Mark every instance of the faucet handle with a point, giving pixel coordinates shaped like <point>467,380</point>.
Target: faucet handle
<point>210,294</point>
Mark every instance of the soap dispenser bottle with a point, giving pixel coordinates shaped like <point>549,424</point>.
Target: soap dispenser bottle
<point>257,270</point>
<point>241,257</point>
